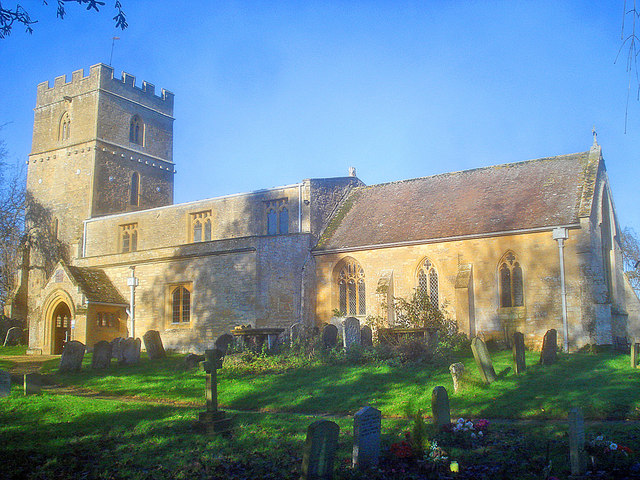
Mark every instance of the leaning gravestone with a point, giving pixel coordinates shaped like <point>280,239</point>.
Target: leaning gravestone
<point>72,355</point>
<point>577,453</point>
<point>131,351</point>
<point>366,336</point>
<point>519,361</point>
<point>101,355</point>
<point>153,345</point>
<point>116,349</point>
<point>351,332</point>
<point>483,360</point>
<point>440,407</point>
<point>329,336</point>
<point>5,384</point>
<point>367,425</point>
<point>223,342</point>
<point>14,337</point>
<point>319,450</point>
<point>635,350</point>
<point>457,371</point>
<point>32,383</point>
<point>295,334</point>
<point>549,347</point>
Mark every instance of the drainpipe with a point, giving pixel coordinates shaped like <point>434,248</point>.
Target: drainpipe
<point>561,234</point>
<point>132,282</point>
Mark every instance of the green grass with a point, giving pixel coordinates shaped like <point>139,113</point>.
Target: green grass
<point>16,350</point>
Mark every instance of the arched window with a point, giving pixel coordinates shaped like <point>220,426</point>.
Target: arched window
<point>201,226</point>
<point>65,127</point>
<point>135,189</point>
<point>207,230</point>
<point>277,217</point>
<point>129,237</point>
<point>511,284</point>
<point>272,223</point>
<point>607,236</point>
<point>428,281</point>
<point>136,130</point>
<point>352,298</point>
<point>180,305</point>
<point>283,220</point>
<point>197,231</point>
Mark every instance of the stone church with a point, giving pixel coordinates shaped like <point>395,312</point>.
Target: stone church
<point>525,246</point>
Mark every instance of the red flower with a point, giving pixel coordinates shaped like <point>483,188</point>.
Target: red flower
<point>401,450</point>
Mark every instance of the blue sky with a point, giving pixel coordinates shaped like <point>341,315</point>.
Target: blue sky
<point>270,93</point>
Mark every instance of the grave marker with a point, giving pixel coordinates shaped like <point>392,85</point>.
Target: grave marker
<point>366,336</point>
<point>329,336</point>
<point>366,437</point>
<point>213,420</point>
<point>223,342</point>
<point>635,351</point>
<point>440,407</point>
<point>131,351</point>
<point>296,333</point>
<point>14,337</point>
<point>153,345</point>
<point>549,347</point>
<point>457,371</point>
<point>116,349</point>
<point>483,360</point>
<point>32,383</point>
<point>72,355</point>
<point>101,355</point>
<point>577,453</point>
<point>351,332</point>
<point>319,450</point>
<point>519,361</point>
<point>5,384</point>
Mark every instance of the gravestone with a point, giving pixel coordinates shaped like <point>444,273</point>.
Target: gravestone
<point>5,384</point>
<point>72,355</point>
<point>223,342</point>
<point>519,361</point>
<point>295,334</point>
<point>131,351</point>
<point>367,425</point>
<point>457,371</point>
<point>366,336</point>
<point>635,351</point>
<point>329,336</point>
<point>32,383</point>
<point>440,407</point>
<point>192,360</point>
<point>14,337</point>
<point>549,347</point>
<point>101,355</point>
<point>483,360</point>
<point>116,349</point>
<point>431,339</point>
<point>213,421</point>
<point>351,332</point>
<point>577,453</point>
<point>319,450</point>
<point>153,345</point>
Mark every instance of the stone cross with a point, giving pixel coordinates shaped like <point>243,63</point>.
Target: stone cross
<point>5,384</point>
<point>213,420</point>
<point>366,437</point>
<point>483,360</point>
<point>32,383</point>
<point>519,361</point>
<point>457,371</point>
<point>440,407</point>
<point>319,450</point>
<point>577,453</point>
<point>549,347</point>
<point>635,350</point>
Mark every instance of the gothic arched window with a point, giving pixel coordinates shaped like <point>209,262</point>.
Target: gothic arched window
<point>277,217</point>
<point>136,130</point>
<point>65,127</point>
<point>428,281</point>
<point>135,189</point>
<point>511,284</point>
<point>180,305</point>
<point>352,299</point>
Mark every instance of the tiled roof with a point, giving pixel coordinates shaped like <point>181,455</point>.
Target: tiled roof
<point>532,194</point>
<point>95,285</point>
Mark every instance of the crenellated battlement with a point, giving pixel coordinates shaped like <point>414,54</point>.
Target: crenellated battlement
<point>101,78</point>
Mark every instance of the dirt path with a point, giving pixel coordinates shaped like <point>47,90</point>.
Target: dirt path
<point>26,363</point>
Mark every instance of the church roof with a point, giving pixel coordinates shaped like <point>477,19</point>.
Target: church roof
<point>95,285</point>
<point>533,194</point>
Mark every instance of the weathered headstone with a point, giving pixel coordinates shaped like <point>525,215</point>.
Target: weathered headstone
<point>193,360</point>
<point>351,332</point>
<point>440,407</point>
<point>131,351</point>
<point>549,347</point>
<point>101,355</point>
<point>577,453</point>
<point>329,336</point>
<point>72,355</point>
<point>14,337</point>
<point>519,361</point>
<point>319,450</point>
<point>367,425</point>
<point>213,420</point>
<point>223,342</point>
<point>153,345</point>
<point>295,334</point>
<point>5,384</point>
<point>32,383</point>
<point>635,351</point>
<point>483,360</point>
<point>116,349</point>
<point>432,337</point>
<point>457,371</point>
<point>366,336</point>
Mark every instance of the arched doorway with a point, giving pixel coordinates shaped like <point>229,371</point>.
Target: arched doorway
<point>61,327</point>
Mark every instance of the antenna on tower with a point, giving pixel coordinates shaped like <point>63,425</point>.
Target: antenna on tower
<point>113,42</point>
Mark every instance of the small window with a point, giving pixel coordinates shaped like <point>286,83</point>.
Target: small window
<point>277,217</point>
<point>129,237</point>
<point>136,131</point>
<point>65,127</point>
<point>180,304</point>
<point>134,197</point>
<point>201,226</point>
<point>511,282</point>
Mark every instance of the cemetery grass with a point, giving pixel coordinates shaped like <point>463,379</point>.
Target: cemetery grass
<point>603,385</point>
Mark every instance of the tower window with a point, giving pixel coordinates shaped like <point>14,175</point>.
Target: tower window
<point>134,197</point>
<point>136,131</point>
<point>277,217</point>
<point>65,127</point>
<point>511,284</point>
<point>129,237</point>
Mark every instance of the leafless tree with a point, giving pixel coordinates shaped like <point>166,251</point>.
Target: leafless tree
<point>630,45</point>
